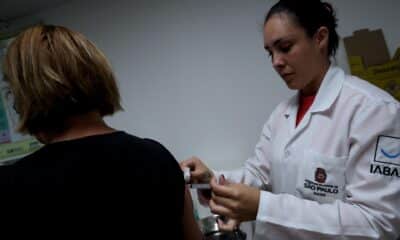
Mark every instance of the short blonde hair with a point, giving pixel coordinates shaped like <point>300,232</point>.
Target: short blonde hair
<point>55,73</point>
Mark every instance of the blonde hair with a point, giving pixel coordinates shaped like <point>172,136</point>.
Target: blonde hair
<point>55,73</point>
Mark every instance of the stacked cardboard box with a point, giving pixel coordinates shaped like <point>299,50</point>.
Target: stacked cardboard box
<point>369,59</point>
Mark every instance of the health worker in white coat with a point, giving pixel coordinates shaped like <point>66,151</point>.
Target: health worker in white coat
<point>327,165</point>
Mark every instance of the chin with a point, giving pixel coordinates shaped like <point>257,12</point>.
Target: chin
<point>292,86</point>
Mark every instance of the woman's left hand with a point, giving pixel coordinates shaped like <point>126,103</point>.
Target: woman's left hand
<point>228,225</point>
<point>233,200</point>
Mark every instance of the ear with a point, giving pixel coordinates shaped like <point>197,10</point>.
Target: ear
<point>321,38</point>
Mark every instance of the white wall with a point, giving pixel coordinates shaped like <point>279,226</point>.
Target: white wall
<point>193,74</point>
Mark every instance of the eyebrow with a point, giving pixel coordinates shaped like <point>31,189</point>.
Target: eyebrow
<point>276,42</point>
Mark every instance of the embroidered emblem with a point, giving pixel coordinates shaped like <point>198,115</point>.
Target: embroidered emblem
<point>387,150</point>
<point>320,175</point>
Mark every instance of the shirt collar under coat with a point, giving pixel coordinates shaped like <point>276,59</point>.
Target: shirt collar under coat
<point>326,95</point>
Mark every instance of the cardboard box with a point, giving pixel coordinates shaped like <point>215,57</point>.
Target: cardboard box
<point>369,59</point>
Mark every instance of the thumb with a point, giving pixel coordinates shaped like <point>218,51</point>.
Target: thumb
<point>229,225</point>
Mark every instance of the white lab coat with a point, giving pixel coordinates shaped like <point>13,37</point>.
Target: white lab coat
<point>334,176</point>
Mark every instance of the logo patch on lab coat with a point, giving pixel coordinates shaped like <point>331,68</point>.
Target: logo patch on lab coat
<point>320,175</point>
<point>388,150</point>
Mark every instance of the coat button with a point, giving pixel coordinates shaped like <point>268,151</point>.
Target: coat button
<point>287,153</point>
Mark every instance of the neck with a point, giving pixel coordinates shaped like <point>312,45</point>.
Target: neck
<point>313,87</point>
<point>79,126</point>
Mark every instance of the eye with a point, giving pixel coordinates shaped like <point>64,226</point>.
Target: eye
<point>285,48</point>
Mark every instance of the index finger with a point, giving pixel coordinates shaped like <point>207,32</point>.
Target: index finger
<point>188,163</point>
<point>225,191</point>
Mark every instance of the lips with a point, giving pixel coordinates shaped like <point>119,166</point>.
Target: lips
<point>284,75</point>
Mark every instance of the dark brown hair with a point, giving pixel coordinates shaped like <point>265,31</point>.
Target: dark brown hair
<point>310,15</point>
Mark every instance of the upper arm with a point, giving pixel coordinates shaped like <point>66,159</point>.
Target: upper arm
<point>373,179</point>
<point>191,230</point>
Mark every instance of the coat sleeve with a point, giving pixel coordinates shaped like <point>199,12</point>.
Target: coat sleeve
<point>370,208</point>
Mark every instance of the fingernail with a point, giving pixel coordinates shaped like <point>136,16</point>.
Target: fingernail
<point>221,179</point>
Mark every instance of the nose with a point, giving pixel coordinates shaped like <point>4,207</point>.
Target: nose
<point>278,62</point>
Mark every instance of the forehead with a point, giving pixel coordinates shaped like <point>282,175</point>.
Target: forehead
<point>281,26</point>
